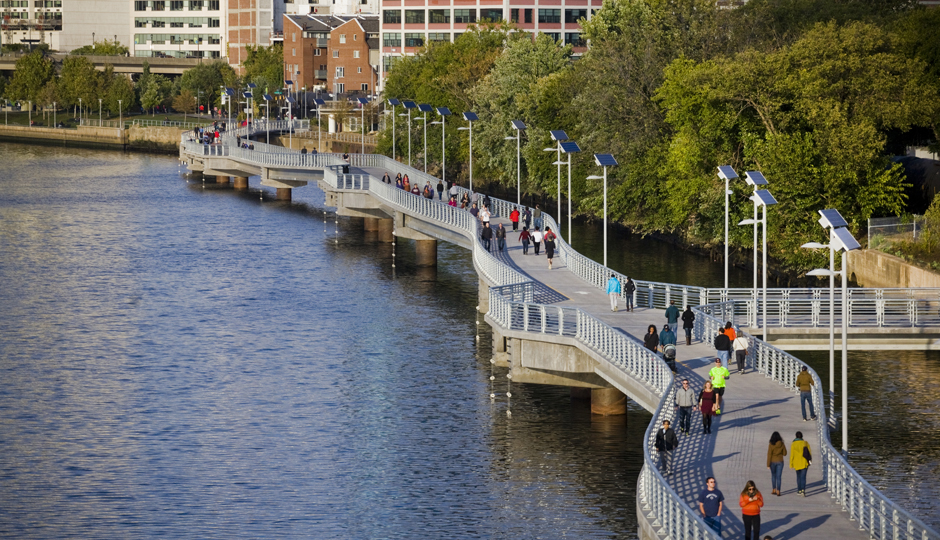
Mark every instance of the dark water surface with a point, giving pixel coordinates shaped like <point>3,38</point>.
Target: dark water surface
<point>187,361</point>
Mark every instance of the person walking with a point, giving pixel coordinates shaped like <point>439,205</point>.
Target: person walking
<point>800,460</point>
<point>386,179</point>
<point>667,337</point>
<point>740,346</point>
<point>722,345</point>
<point>672,315</point>
<point>514,219</point>
<point>729,331</point>
<point>804,382</point>
<point>718,375</point>
<point>685,400</point>
<point>707,403</point>
<point>630,289</point>
<point>527,217</point>
<point>666,443</point>
<point>537,217</point>
<point>487,235</point>
<point>500,237</point>
<point>474,211</point>
<point>536,239</point>
<point>710,503</point>
<point>440,190</point>
<point>688,323</point>
<point>613,291</point>
<point>525,237</point>
<point>549,247</point>
<point>454,192</point>
<point>776,451</point>
<point>485,216</point>
<point>651,339</point>
<point>751,502</point>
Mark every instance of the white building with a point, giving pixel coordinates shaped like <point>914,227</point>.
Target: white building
<point>179,28</point>
<point>331,7</point>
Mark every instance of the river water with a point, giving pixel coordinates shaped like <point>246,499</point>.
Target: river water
<point>182,360</point>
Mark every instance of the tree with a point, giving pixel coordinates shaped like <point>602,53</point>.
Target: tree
<point>185,102</point>
<point>208,78</point>
<point>102,48</point>
<point>156,90</point>
<point>264,66</point>
<point>33,72</point>
<point>79,80</point>
<point>120,96</point>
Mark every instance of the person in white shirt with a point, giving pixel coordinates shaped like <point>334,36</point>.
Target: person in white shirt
<point>536,239</point>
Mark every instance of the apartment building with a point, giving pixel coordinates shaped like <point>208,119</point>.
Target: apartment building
<point>253,22</point>
<point>31,22</point>
<point>331,7</point>
<point>178,28</point>
<point>338,54</point>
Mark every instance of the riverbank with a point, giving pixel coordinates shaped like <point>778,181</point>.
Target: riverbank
<point>150,139</point>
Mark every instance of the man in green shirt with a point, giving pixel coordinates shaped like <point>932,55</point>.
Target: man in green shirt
<point>718,375</point>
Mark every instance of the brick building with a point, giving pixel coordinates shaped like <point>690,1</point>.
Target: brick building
<point>338,54</point>
<point>252,22</point>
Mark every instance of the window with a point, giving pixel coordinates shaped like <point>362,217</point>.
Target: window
<point>158,24</point>
<point>354,36</point>
<point>414,16</point>
<point>491,14</point>
<point>335,53</point>
<point>316,52</point>
<point>140,5</point>
<point>196,5</point>
<point>391,16</point>
<point>293,36</point>
<point>213,23</point>
<point>365,87</point>
<point>439,16</point>
<point>355,54</point>
<point>573,15</point>
<point>340,72</point>
<point>391,39</point>
<point>414,40</point>
<point>528,16</point>
<point>554,35</point>
<point>574,39</point>
<point>140,23</point>
<point>465,16</point>
<point>359,70</point>
<point>342,38</point>
<point>339,88</point>
<point>438,37</point>
<point>176,24</point>
<point>293,51</point>
<point>549,15</point>
<point>176,5</point>
<point>514,15</point>
<point>213,5</point>
<point>158,5</point>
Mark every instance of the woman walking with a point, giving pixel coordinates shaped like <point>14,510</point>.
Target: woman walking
<point>524,237</point>
<point>536,239</point>
<point>651,339</point>
<point>751,502</point>
<point>707,403</point>
<point>800,460</point>
<point>776,451</point>
<point>688,323</point>
<point>549,247</point>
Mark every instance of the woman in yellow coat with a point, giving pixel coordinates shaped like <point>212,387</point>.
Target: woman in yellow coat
<point>800,460</point>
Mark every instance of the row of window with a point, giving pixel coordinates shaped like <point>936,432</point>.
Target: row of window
<point>15,4</point>
<point>175,5</point>
<point>178,39</point>
<point>443,16</point>
<point>316,52</point>
<point>394,39</point>
<point>177,22</point>
<point>178,54</point>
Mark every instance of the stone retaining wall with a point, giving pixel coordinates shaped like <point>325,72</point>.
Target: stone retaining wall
<point>873,268</point>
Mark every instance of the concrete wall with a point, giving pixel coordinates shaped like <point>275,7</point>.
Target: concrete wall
<point>873,268</point>
<point>158,139</point>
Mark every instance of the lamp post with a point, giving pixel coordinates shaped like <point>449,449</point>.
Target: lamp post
<point>558,136</point>
<point>304,90</point>
<point>444,112</point>
<point>762,197</point>
<point>519,126</point>
<point>290,121</point>
<point>229,92</point>
<point>319,101</point>
<point>80,110</point>
<point>99,113</point>
<point>569,147</point>
<point>30,113</point>
<point>408,106</point>
<point>267,113</point>
<point>603,160</point>
<point>756,179</point>
<point>840,239</point>
<point>250,113</point>
<point>54,121</point>
<point>394,103</point>
<point>121,113</point>
<point>727,173</point>
<point>362,105</point>
<point>470,117</point>
<point>425,108</point>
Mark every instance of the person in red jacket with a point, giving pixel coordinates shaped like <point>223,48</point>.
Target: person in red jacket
<point>751,502</point>
<point>514,218</point>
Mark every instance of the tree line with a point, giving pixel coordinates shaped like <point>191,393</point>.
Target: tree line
<point>816,94</point>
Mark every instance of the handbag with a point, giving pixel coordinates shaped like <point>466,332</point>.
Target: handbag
<point>807,455</point>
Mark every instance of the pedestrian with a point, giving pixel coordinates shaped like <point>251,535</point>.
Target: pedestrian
<point>398,180</point>
<point>630,289</point>
<point>667,337</point>
<point>386,179</point>
<point>672,315</point>
<point>722,345</point>
<point>487,235</point>
<point>776,451</point>
<point>740,346</point>
<point>485,216</point>
<point>751,502</point>
<point>514,219</point>
<point>707,403</point>
<point>454,192</point>
<point>710,503</point>
<point>800,460</point>
<point>666,443</point>
<point>415,190</point>
<point>486,201</point>
<point>729,331</point>
<point>524,237</point>
<point>346,157</point>
<point>452,202</point>
<point>474,211</point>
<point>440,190</point>
<point>304,151</point>
<point>651,339</point>
<point>613,291</point>
<point>536,239</point>
<point>527,217</point>
<point>718,375</point>
<point>537,216</point>
<point>688,323</point>
<point>805,383</point>
<point>500,237</point>
<point>405,183</point>
<point>685,400</point>
<point>428,192</point>
<point>549,247</point>
<point>465,201</point>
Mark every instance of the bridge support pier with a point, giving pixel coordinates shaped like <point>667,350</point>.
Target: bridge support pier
<point>241,182</point>
<point>608,401</point>
<point>386,228</point>
<point>484,298</point>
<point>370,224</point>
<point>283,194</point>
<point>221,179</point>
<point>426,252</point>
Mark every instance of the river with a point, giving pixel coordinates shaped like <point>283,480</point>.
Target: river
<point>182,360</point>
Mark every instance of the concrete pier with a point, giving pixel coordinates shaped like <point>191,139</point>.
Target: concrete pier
<point>426,252</point>
<point>220,179</point>
<point>608,401</point>
<point>370,224</point>
<point>241,182</point>
<point>386,230</point>
<point>283,194</point>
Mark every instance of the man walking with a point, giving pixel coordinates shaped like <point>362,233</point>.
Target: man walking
<point>487,235</point>
<point>630,288</point>
<point>717,375</point>
<point>666,442</point>
<point>685,400</point>
<point>672,315</point>
<point>723,348</point>
<point>500,237</point>
<point>514,219</point>
<point>440,190</point>
<point>804,381</point>
<point>710,504</point>
<point>537,216</point>
<point>453,190</point>
<point>613,290</point>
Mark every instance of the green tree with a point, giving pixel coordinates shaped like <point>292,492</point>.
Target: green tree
<point>208,78</point>
<point>33,72</point>
<point>120,96</point>
<point>264,66</point>
<point>185,102</point>
<point>156,90</point>
<point>102,48</point>
<point>79,80</point>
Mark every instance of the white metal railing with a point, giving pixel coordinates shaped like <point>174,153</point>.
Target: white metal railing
<point>875,513</point>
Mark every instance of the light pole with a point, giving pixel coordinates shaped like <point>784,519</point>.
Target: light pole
<point>727,173</point>
<point>30,113</point>
<point>444,112</point>
<point>470,117</point>
<point>756,179</point>
<point>290,121</point>
<point>762,197</point>
<point>267,114</point>
<point>229,92</point>
<point>247,102</point>
<point>569,147</point>
<point>249,114</point>
<point>99,112</point>
<point>519,126</point>
<point>604,160</point>
<point>425,108</point>
<point>558,136</point>
<point>304,90</point>
<point>408,106</point>
<point>362,105</point>
<point>54,122</point>
<point>394,103</point>
<point>319,101</point>
<point>121,113</point>
<point>840,239</point>
<point>80,110</point>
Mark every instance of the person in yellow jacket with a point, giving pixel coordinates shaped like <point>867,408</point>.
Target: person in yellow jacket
<point>800,460</point>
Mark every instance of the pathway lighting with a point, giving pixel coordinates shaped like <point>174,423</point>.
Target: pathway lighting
<point>603,160</point>
<point>394,103</point>
<point>99,113</point>
<point>290,121</point>
<point>318,102</point>
<point>762,197</point>
<point>425,108</point>
<point>470,117</point>
<point>408,106</point>
<point>267,112</point>
<point>558,136</point>
<point>362,105</point>
<point>569,147</point>
<point>727,173</point>
<point>519,126</point>
<point>444,112</point>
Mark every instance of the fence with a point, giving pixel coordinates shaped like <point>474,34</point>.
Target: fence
<point>894,229</point>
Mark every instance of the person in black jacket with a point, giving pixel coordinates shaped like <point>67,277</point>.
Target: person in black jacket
<point>666,442</point>
<point>723,349</point>
<point>487,235</point>
<point>651,339</point>
<point>629,289</point>
<point>688,323</point>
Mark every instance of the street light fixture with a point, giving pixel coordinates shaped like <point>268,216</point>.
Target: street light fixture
<point>470,117</point>
<point>290,121</point>
<point>603,160</point>
<point>727,173</point>
<point>425,108</point>
<point>250,114</point>
<point>229,92</point>
<point>362,105</point>
<point>762,197</point>
<point>558,136</point>
<point>756,179</point>
<point>444,112</point>
<point>99,112</point>
<point>394,103</point>
<point>408,106</point>
<point>569,147</point>
<point>519,126</point>
<point>267,112</point>
<point>840,239</point>
<point>318,102</point>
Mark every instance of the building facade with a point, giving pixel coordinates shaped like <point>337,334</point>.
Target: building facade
<point>178,28</point>
<point>331,7</point>
<point>253,22</point>
<point>336,54</point>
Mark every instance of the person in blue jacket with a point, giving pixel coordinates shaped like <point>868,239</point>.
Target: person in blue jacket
<point>613,290</point>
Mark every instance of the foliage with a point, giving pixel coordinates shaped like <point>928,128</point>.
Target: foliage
<point>33,73</point>
<point>925,250</point>
<point>102,48</point>
<point>208,78</point>
<point>79,80</point>
<point>155,90</point>
<point>185,102</point>
<point>264,66</point>
<point>120,96</point>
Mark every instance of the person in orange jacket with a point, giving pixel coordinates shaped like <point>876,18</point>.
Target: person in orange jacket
<point>751,502</point>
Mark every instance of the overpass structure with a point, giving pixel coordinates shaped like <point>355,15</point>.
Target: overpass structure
<point>128,65</point>
<point>554,327</point>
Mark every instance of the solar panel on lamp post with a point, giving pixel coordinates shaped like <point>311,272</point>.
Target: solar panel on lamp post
<point>727,173</point>
<point>408,106</point>
<point>425,108</point>
<point>756,179</point>
<point>558,136</point>
<point>569,147</point>
<point>249,114</point>
<point>394,103</point>
<point>470,117</point>
<point>267,125</point>
<point>290,121</point>
<point>519,126</point>
<point>603,160</point>
<point>762,197</point>
<point>444,112</point>
<point>362,119</point>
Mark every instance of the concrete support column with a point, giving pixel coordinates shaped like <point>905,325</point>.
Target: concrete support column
<point>484,298</point>
<point>283,194</point>
<point>370,224</point>
<point>426,252</point>
<point>608,401</point>
<point>386,228</point>
<point>241,182</point>
<point>221,179</point>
